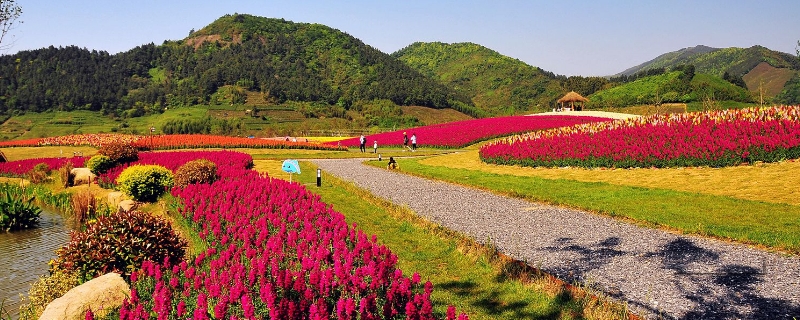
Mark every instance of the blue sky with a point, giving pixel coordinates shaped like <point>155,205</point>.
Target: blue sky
<point>565,37</point>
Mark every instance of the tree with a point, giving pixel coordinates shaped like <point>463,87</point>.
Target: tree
<point>9,12</point>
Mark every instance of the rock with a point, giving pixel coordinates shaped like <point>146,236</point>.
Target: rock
<point>83,176</point>
<point>114,198</point>
<point>100,295</point>
<point>126,205</point>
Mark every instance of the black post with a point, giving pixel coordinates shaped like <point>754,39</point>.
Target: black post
<point>319,177</point>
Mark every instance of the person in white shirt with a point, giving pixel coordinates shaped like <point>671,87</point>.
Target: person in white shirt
<point>413,142</point>
<point>375,146</point>
<point>363,142</point>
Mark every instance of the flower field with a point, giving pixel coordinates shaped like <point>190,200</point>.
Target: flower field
<point>167,142</point>
<point>188,141</point>
<point>463,133</point>
<point>20,143</point>
<point>714,139</point>
<point>20,167</point>
<point>229,163</point>
<point>275,251</point>
<point>90,139</point>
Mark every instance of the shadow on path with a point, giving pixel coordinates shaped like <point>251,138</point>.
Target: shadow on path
<point>716,291</point>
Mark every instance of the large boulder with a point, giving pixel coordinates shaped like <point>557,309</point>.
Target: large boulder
<point>100,295</point>
<point>114,198</point>
<point>83,176</point>
<point>126,205</point>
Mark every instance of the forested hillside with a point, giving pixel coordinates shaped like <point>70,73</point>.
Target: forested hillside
<point>771,73</point>
<point>221,63</point>
<point>716,61</point>
<point>497,84</point>
<point>680,85</point>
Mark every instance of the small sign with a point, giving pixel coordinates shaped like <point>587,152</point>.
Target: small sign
<point>291,166</point>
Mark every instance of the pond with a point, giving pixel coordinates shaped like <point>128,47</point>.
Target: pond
<point>24,255</point>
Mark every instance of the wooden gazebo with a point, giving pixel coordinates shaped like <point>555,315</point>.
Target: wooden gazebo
<point>573,100</point>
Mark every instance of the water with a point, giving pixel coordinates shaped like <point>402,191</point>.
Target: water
<point>24,255</point>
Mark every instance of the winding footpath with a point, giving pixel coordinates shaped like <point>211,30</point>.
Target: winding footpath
<point>657,273</point>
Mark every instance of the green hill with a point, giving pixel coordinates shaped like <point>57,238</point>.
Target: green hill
<point>716,61</point>
<point>223,63</point>
<point>496,84</point>
<point>682,86</point>
<point>762,70</point>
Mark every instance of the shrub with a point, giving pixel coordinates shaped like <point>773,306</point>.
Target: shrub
<point>65,172</point>
<point>17,210</point>
<point>120,242</point>
<point>119,152</point>
<point>145,182</point>
<point>99,164</point>
<point>196,171</point>
<point>39,173</point>
<point>45,290</point>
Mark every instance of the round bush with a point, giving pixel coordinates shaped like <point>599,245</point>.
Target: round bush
<point>99,164</point>
<point>120,242</point>
<point>145,182</point>
<point>39,173</point>
<point>196,171</point>
<point>119,152</point>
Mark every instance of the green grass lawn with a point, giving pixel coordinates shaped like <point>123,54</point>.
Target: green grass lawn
<point>464,274</point>
<point>60,123</point>
<point>775,226</point>
<point>385,153</point>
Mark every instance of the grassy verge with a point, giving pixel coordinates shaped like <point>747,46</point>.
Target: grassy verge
<point>22,153</point>
<point>765,182</point>
<point>167,208</point>
<point>771,225</point>
<point>474,278</point>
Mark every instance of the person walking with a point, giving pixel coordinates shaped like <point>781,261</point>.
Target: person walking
<point>375,146</point>
<point>363,142</point>
<point>413,142</point>
<point>405,141</point>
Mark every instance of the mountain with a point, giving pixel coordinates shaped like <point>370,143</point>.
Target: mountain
<point>224,62</point>
<point>496,84</point>
<point>669,59</point>
<point>762,69</point>
<point>680,86</point>
<point>716,61</point>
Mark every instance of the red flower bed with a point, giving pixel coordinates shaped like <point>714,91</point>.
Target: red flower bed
<point>276,252</point>
<point>20,143</point>
<point>229,163</point>
<point>716,139</point>
<point>463,133</point>
<point>167,142</point>
<point>20,167</point>
<point>186,141</point>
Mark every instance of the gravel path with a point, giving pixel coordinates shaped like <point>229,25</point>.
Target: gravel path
<point>659,274</point>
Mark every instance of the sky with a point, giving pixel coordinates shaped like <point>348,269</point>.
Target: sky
<point>589,38</point>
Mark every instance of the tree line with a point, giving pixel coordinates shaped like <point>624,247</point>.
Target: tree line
<point>298,62</point>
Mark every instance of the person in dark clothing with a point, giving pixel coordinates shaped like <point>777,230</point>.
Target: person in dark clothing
<point>392,164</point>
